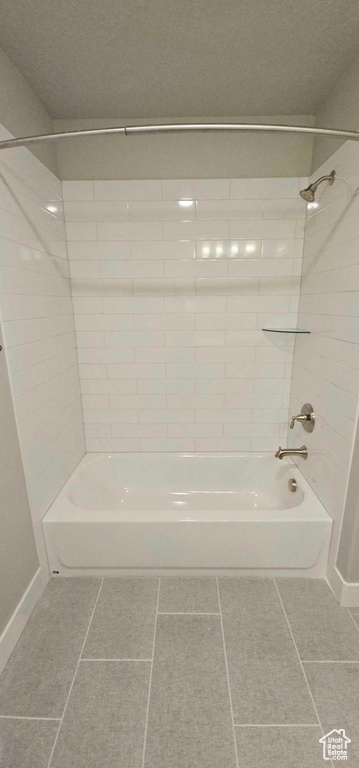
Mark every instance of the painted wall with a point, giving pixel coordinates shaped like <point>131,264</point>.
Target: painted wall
<point>22,113</point>
<point>348,554</point>
<point>204,155</point>
<point>169,303</point>
<point>36,308</point>
<point>18,557</point>
<point>339,110</point>
<point>326,363</point>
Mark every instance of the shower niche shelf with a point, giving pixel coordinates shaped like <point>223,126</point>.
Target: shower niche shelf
<point>286,330</point>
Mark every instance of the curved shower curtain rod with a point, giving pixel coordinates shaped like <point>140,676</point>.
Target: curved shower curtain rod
<point>180,128</point>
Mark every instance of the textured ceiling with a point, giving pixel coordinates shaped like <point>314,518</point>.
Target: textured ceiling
<point>142,58</point>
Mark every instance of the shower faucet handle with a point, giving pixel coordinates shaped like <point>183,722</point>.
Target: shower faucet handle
<point>306,417</point>
<point>300,417</point>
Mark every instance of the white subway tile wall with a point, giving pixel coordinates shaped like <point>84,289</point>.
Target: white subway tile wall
<point>37,317</point>
<point>326,363</point>
<point>172,283</point>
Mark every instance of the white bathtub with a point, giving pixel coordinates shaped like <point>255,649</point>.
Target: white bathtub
<point>175,511</point>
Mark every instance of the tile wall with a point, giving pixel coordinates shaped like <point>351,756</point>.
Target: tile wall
<point>18,558</point>
<point>326,363</point>
<point>37,317</point>
<point>172,283</point>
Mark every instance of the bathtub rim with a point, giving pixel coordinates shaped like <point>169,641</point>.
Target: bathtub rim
<point>62,509</point>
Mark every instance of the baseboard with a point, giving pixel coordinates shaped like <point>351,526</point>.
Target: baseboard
<point>14,628</point>
<point>347,594</point>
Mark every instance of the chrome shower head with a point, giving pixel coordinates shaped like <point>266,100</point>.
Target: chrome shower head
<point>308,194</point>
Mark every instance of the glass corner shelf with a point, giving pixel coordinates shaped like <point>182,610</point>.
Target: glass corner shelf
<point>285,330</point>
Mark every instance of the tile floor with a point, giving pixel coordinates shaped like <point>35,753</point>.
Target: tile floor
<point>181,673</point>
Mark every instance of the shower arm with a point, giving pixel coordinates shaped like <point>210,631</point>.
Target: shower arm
<point>328,177</point>
<point>180,128</point>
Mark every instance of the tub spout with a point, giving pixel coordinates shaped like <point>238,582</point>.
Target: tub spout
<point>303,452</point>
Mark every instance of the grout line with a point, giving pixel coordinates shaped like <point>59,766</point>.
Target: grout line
<point>151,671</point>
<point>189,613</point>
<point>83,659</point>
<point>227,673</point>
<point>353,620</point>
<point>299,659</point>
<point>277,725</point>
<point>20,717</point>
<point>47,338</point>
<point>342,606</point>
<point>330,661</point>
<point>332,591</point>
<point>73,679</point>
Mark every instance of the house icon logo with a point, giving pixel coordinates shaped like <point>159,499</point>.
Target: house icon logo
<point>335,745</point>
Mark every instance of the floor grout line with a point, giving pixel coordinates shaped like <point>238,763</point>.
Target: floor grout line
<point>75,673</point>
<point>188,613</point>
<point>83,659</point>
<point>300,660</point>
<point>353,620</point>
<point>345,607</point>
<point>151,670</point>
<point>277,725</point>
<point>330,661</point>
<point>227,673</point>
<point>21,717</point>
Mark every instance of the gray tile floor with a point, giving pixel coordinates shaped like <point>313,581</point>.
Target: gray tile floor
<point>181,673</point>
